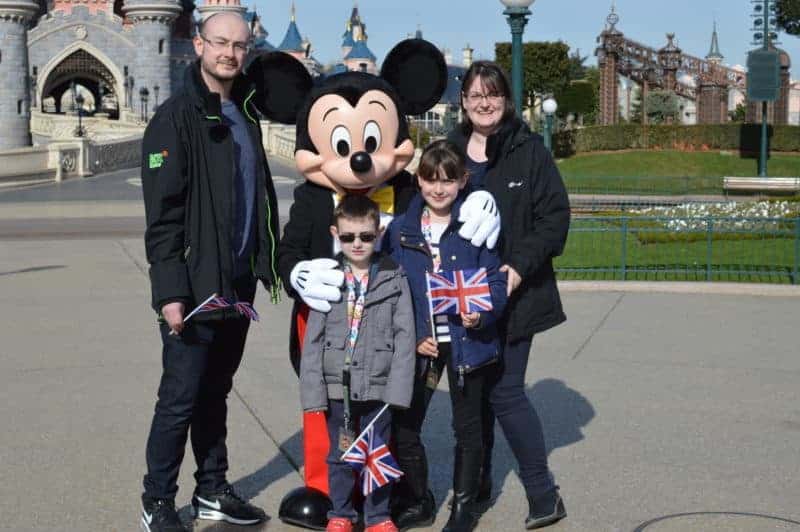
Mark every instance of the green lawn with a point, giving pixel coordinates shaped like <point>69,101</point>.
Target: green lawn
<point>595,251</point>
<point>664,172</point>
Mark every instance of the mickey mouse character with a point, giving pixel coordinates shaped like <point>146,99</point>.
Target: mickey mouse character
<point>352,138</point>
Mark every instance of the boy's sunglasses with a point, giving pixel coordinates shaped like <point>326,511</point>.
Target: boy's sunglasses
<point>434,179</point>
<point>349,238</point>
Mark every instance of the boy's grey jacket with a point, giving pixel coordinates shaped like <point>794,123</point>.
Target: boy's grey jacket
<point>382,368</point>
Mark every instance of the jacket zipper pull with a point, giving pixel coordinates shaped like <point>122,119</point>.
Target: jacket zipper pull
<point>460,376</point>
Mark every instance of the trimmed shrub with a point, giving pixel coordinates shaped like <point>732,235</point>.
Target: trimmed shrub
<point>745,138</point>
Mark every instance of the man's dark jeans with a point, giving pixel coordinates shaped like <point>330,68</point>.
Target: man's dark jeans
<point>198,369</point>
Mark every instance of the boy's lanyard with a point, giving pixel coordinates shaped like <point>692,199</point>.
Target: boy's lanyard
<point>355,311</point>
<point>427,233</point>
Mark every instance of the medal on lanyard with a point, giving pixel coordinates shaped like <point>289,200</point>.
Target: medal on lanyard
<point>432,376</point>
<point>355,310</point>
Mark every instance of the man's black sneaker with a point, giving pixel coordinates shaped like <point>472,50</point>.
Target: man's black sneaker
<point>159,515</point>
<point>226,506</point>
<point>545,510</point>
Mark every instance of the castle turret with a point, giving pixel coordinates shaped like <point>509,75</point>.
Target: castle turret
<point>152,26</point>
<point>212,7</point>
<point>15,16</point>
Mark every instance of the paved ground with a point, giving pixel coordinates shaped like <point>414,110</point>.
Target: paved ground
<point>663,412</point>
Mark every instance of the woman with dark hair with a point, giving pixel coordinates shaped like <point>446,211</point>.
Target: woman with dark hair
<point>505,158</point>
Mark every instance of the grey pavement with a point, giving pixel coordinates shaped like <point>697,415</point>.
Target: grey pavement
<point>662,411</point>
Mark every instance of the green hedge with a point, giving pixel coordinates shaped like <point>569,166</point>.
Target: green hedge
<point>744,138</point>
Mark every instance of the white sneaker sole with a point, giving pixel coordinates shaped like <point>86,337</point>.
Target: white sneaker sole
<point>213,515</point>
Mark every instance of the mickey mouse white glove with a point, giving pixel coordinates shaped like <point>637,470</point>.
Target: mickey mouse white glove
<point>317,282</point>
<point>481,219</point>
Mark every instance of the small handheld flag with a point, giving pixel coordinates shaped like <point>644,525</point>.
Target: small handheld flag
<point>215,303</point>
<point>370,457</point>
<point>454,292</point>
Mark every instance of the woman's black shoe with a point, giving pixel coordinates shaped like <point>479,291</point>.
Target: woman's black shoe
<point>420,514</point>
<point>545,510</point>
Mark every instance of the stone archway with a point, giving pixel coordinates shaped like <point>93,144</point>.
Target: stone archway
<point>83,68</point>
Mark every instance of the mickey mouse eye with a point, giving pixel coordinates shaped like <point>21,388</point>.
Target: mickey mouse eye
<point>372,137</point>
<point>340,141</point>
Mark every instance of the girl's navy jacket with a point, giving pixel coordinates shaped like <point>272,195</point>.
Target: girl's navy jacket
<point>471,348</point>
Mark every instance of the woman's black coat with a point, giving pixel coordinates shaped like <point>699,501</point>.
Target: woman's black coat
<point>535,214</point>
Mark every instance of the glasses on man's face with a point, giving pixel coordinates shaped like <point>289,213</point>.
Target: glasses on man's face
<point>474,98</point>
<point>433,179</point>
<point>349,238</point>
<point>218,43</point>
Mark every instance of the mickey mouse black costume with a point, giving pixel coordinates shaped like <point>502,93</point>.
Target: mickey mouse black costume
<point>352,138</point>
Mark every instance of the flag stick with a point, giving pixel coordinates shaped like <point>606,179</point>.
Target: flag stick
<point>364,431</point>
<point>198,307</point>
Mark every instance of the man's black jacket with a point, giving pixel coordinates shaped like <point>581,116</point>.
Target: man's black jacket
<point>188,172</point>
<point>534,211</point>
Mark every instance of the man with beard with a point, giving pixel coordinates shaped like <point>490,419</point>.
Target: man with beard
<point>212,223</point>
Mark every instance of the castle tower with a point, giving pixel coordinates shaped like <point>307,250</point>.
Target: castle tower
<point>292,42</point>
<point>712,97</point>
<point>15,16</point>
<point>360,58</point>
<point>714,56</point>
<point>152,27</point>
<point>212,7</point>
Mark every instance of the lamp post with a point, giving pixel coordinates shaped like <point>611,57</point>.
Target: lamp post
<point>79,102</point>
<point>549,106</point>
<point>763,68</point>
<point>517,13</point>
<point>155,93</point>
<point>143,94</point>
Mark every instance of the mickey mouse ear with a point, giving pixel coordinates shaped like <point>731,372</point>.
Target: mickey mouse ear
<point>282,84</point>
<point>417,71</point>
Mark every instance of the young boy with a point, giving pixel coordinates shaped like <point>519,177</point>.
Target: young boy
<point>358,357</point>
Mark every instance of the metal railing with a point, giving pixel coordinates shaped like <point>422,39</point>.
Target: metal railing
<point>675,248</point>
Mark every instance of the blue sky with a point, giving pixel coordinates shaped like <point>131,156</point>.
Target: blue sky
<point>453,23</point>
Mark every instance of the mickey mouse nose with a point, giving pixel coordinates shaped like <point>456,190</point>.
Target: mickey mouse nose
<point>360,162</point>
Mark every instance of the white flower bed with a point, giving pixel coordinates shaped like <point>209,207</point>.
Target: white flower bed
<point>750,216</point>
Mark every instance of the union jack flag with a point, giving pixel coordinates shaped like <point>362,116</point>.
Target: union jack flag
<point>453,292</point>
<point>242,307</point>
<point>371,457</point>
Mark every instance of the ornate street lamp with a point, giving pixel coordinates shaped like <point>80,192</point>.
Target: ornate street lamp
<point>143,94</point>
<point>549,106</point>
<point>79,102</point>
<point>155,93</point>
<point>517,12</point>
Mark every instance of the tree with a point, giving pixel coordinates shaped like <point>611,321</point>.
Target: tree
<point>739,114</point>
<point>788,12</point>
<point>546,67</point>
<point>577,69</point>
<point>662,106</point>
<point>579,99</point>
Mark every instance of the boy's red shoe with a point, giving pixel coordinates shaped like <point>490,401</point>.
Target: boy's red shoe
<point>339,524</point>
<point>383,526</point>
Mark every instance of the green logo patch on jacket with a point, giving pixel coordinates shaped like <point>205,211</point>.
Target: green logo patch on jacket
<point>156,160</point>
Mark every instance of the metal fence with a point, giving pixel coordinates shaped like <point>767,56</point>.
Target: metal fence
<point>765,250</point>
